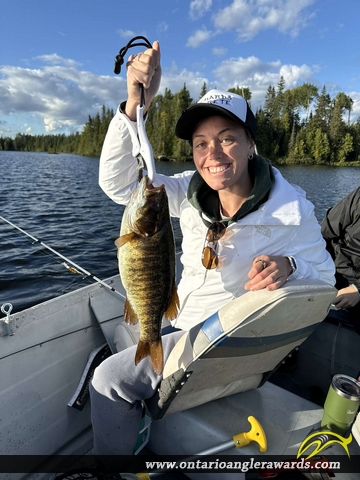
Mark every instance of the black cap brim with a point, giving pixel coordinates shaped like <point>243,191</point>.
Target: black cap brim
<point>189,119</point>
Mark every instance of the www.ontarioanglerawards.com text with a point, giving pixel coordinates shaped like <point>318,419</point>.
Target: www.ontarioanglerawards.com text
<point>244,466</point>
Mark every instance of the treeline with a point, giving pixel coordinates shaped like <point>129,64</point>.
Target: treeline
<point>289,131</point>
<point>88,142</point>
<point>299,125</point>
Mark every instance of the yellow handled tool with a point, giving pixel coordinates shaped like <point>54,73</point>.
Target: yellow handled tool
<point>256,434</point>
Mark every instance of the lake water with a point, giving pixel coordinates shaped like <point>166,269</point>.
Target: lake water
<point>56,199</point>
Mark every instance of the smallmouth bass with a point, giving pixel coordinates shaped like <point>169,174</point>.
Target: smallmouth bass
<point>146,254</point>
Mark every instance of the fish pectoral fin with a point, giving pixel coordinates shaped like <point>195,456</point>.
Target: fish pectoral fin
<point>155,351</point>
<point>173,308</point>
<point>124,239</point>
<point>130,316</point>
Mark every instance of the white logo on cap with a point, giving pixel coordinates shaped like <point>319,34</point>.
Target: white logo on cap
<point>219,99</point>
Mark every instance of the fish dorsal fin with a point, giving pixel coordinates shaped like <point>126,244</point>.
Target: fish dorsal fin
<point>130,316</point>
<point>174,304</point>
<point>124,239</point>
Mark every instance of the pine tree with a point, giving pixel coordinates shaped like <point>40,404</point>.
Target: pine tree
<point>269,105</point>
<point>345,149</point>
<point>322,111</point>
<point>203,90</point>
<point>243,91</point>
<point>182,150</point>
<point>337,128</point>
<point>320,147</point>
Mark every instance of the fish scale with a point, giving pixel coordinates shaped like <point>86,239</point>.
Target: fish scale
<point>143,282</point>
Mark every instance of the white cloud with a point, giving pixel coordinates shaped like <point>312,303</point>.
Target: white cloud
<point>250,18</point>
<point>245,68</point>
<point>355,114</point>
<point>251,72</point>
<point>219,52</point>
<point>198,38</point>
<point>248,72</point>
<point>52,125</point>
<point>198,8</point>
<point>126,33</point>
<point>294,74</point>
<point>174,79</point>
<point>162,27</point>
<point>55,59</point>
<point>62,96</point>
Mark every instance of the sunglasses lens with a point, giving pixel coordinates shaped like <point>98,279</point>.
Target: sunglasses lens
<point>209,258</point>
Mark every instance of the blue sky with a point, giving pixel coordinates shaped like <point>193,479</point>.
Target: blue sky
<point>56,58</point>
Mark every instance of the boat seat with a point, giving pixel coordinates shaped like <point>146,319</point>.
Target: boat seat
<point>237,348</point>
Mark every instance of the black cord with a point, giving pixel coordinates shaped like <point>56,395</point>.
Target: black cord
<point>119,59</point>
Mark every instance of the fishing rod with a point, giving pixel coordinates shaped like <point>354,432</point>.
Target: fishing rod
<point>75,269</point>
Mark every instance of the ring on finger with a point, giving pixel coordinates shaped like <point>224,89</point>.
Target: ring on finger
<point>263,263</point>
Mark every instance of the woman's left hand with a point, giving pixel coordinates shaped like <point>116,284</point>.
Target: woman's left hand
<point>269,272</point>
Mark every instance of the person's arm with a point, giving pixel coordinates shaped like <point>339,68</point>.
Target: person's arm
<point>118,174</point>
<point>118,168</point>
<point>338,218</point>
<point>306,244</point>
<point>334,228</point>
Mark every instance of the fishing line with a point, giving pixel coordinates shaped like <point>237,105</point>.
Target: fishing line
<point>73,267</point>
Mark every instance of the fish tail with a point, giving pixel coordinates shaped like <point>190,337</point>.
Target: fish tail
<point>154,350</point>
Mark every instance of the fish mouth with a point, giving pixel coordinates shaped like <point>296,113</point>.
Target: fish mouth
<point>148,189</point>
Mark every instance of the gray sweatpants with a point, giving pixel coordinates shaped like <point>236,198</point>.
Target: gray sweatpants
<point>116,391</point>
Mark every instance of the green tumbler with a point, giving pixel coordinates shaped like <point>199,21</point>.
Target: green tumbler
<point>341,404</point>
